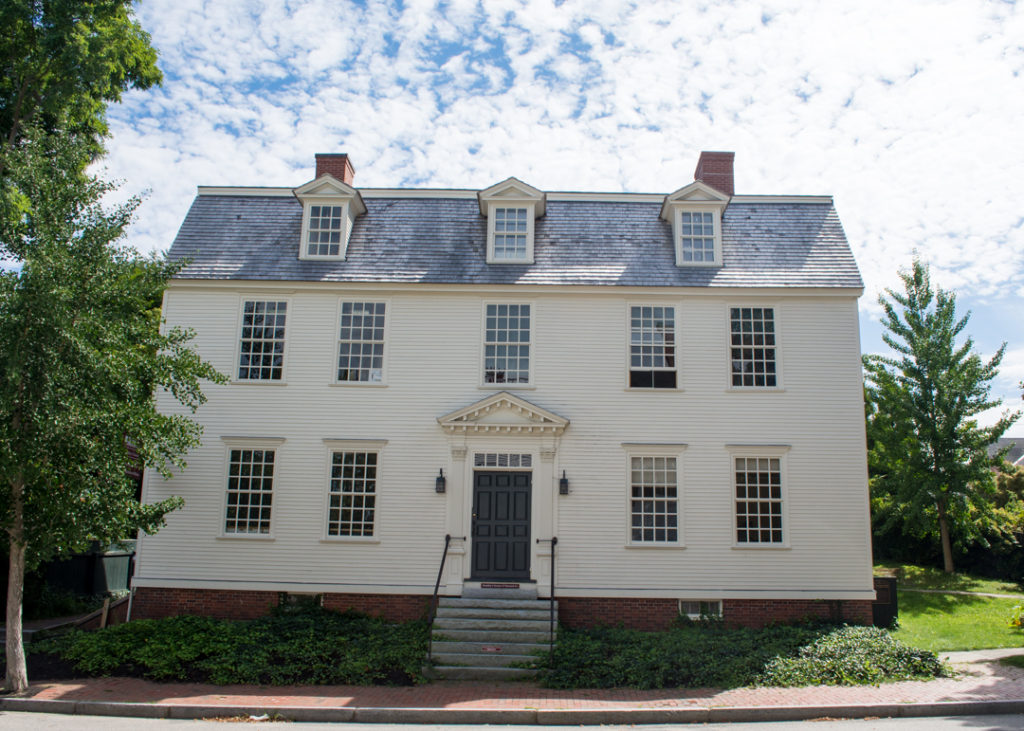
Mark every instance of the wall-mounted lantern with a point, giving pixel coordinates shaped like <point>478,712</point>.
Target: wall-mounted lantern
<point>440,482</point>
<point>563,485</point>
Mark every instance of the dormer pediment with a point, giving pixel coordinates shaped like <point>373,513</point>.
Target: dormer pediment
<point>695,193</point>
<point>503,413</point>
<point>512,190</point>
<point>329,187</point>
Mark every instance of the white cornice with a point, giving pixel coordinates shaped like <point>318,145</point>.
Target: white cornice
<point>458,194</point>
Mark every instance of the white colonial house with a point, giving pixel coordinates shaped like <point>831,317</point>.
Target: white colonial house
<point>670,385</point>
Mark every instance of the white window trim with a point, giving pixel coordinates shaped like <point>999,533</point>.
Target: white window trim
<point>531,384</point>
<point>351,445</point>
<point>629,336</point>
<point>356,297</point>
<point>289,312</point>
<point>654,449</point>
<point>346,228</point>
<point>780,385</point>
<point>531,213</point>
<point>779,451</point>
<point>246,442</point>
<point>716,217</point>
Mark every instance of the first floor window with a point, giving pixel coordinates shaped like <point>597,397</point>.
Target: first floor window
<point>652,347</point>
<point>261,351</point>
<point>758,500</point>
<point>654,504</point>
<point>353,494</point>
<point>752,346</point>
<point>507,344</point>
<point>361,342</point>
<point>250,491</point>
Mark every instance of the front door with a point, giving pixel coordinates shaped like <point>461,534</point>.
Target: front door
<point>501,526</point>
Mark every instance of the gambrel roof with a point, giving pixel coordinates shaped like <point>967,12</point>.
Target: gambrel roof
<point>607,240</point>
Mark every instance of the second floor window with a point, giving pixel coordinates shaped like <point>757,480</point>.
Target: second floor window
<point>652,347</point>
<point>752,346</point>
<point>261,350</point>
<point>507,344</point>
<point>361,342</point>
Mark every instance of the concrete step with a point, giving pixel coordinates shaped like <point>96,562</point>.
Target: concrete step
<point>455,601</point>
<point>490,636</point>
<point>443,624</point>
<point>449,672</point>
<point>493,613</point>
<point>479,660</point>
<point>488,648</point>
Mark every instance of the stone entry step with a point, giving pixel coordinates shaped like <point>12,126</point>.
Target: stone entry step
<point>479,638</point>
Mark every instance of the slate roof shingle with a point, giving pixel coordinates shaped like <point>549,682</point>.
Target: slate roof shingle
<point>443,241</point>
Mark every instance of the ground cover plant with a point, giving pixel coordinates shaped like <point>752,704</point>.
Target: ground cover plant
<point>311,646</point>
<point>927,578</point>
<point>711,655</point>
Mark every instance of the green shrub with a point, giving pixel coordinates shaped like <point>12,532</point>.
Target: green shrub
<point>696,656</point>
<point>853,656</point>
<point>312,646</point>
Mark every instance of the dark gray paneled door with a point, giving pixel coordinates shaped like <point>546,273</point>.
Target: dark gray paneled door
<point>501,525</point>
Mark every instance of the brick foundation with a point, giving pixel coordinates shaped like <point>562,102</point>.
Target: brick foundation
<point>659,614</point>
<point>156,602</point>
<point>637,613</point>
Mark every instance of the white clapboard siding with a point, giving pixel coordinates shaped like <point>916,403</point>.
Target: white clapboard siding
<point>433,367</point>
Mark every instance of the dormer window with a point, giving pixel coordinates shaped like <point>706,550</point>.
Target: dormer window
<point>695,213</point>
<point>329,207</point>
<point>511,208</point>
<point>510,234</point>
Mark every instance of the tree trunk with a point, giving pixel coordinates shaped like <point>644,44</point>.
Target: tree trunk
<point>947,547</point>
<point>17,674</point>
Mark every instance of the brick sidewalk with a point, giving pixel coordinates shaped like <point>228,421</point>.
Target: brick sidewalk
<point>980,678</point>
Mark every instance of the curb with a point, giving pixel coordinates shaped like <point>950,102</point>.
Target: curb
<point>523,717</point>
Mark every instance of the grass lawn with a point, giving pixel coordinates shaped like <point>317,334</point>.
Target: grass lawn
<point>926,577</point>
<point>948,622</point>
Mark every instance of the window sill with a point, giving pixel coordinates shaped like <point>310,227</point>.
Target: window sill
<point>507,387</point>
<point>246,537</point>
<point>762,547</point>
<point>257,382</point>
<point>345,539</point>
<point>755,389</point>
<point>357,384</point>
<point>639,389</point>
<point>655,546</point>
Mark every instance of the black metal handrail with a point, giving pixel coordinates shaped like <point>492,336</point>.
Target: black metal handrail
<point>551,598</point>
<point>433,601</point>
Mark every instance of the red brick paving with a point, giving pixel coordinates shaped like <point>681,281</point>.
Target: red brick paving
<point>980,679</point>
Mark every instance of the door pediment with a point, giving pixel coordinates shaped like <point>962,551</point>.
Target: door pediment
<point>503,413</point>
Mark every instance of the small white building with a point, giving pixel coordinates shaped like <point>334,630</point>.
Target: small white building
<point>670,385</point>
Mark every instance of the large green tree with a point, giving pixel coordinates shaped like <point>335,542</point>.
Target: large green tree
<point>928,455</point>
<point>81,352</point>
<point>62,62</point>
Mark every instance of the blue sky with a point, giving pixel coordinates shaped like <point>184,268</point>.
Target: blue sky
<point>909,113</point>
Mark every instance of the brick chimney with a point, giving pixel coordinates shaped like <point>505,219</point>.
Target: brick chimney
<point>715,169</point>
<point>337,164</point>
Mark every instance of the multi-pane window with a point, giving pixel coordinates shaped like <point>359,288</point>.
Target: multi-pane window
<point>510,231</point>
<point>654,504</point>
<point>652,347</point>
<point>361,346</point>
<point>701,609</point>
<point>353,494</point>
<point>697,236</point>
<point>507,344</point>
<point>752,347</point>
<point>261,354</point>
<point>758,500</point>
<point>250,491</point>
<point>325,230</point>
